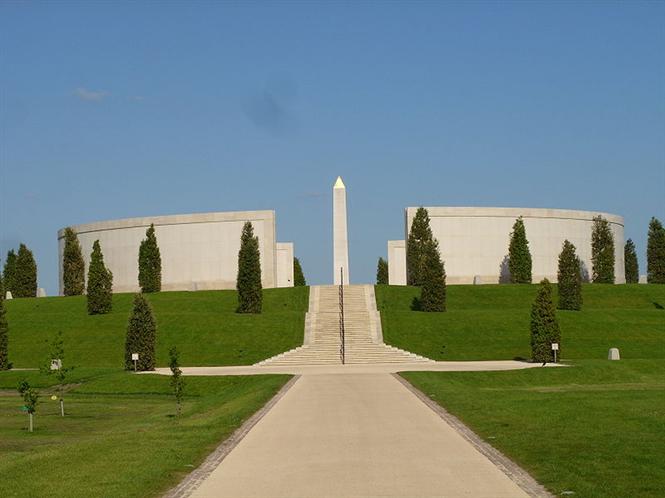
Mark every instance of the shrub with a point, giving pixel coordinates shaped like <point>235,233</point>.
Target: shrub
<point>419,235</point>
<point>141,335</point>
<point>519,257</point>
<point>656,253</point>
<point>570,279</point>
<point>25,278</point>
<point>100,283</point>
<point>631,267</point>
<point>9,272</point>
<point>150,263</point>
<point>544,326</point>
<point>30,399</point>
<point>602,251</point>
<point>73,267</point>
<point>382,272</point>
<point>177,382</point>
<point>298,275</point>
<point>433,289</point>
<point>250,291</point>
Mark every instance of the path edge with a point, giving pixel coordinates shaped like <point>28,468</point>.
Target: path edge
<point>514,472</point>
<point>194,479</point>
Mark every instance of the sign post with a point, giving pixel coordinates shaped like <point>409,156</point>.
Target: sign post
<point>555,348</point>
<point>135,358</point>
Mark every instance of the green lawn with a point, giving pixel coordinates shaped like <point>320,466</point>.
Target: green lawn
<point>203,325</point>
<point>491,322</point>
<point>596,428</point>
<point>120,437</point>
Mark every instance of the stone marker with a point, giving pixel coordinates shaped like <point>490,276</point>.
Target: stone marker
<point>8,295</point>
<point>613,354</point>
<point>477,280</point>
<point>340,237</point>
<point>41,292</point>
<point>642,279</point>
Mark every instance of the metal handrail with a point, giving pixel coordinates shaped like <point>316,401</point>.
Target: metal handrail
<point>342,347</point>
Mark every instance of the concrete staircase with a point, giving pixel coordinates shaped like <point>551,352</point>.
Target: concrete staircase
<point>362,325</point>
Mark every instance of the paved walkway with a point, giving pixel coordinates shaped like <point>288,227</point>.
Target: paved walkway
<point>360,434</point>
<point>440,366</point>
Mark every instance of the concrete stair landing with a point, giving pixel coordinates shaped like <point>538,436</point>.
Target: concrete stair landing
<point>362,325</point>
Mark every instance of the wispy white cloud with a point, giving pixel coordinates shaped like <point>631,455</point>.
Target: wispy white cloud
<point>91,95</point>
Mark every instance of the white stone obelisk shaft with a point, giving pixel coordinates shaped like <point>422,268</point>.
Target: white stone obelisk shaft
<point>340,237</point>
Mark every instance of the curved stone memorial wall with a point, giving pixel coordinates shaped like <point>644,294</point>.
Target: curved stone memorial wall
<point>199,251</point>
<point>474,242</point>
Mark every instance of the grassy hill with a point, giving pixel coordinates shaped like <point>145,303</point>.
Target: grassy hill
<point>203,325</point>
<point>491,322</point>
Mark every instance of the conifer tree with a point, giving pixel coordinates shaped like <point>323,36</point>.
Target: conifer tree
<point>419,235</point>
<point>382,272</point>
<point>630,263</point>
<point>141,335</point>
<point>100,283</point>
<point>602,251</point>
<point>519,257</point>
<point>433,289</point>
<point>25,278</point>
<point>150,263</point>
<point>544,326</point>
<point>177,382</point>
<point>570,279</point>
<point>298,275</point>
<point>9,272</point>
<point>73,267</point>
<point>4,331</point>
<point>250,291</point>
<point>656,253</point>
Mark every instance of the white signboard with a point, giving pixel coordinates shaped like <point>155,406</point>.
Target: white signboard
<point>555,346</point>
<point>135,356</point>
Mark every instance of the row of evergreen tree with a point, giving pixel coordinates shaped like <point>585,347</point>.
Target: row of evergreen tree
<point>100,278</point>
<point>519,256</point>
<point>426,270</point>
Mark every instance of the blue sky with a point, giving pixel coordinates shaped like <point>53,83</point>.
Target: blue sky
<point>112,109</point>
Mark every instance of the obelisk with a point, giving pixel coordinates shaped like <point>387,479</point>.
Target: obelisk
<point>340,237</point>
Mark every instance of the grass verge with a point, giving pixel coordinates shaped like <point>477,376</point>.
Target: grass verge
<point>120,436</point>
<point>595,429</point>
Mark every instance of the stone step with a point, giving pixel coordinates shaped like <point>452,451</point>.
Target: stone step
<point>360,320</point>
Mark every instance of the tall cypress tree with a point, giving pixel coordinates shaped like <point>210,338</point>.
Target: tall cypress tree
<point>73,267</point>
<point>544,326</point>
<point>9,272</point>
<point>433,289</point>
<point>419,235</point>
<point>25,278</point>
<point>4,332</point>
<point>382,272</point>
<point>656,253</point>
<point>630,263</point>
<point>150,263</point>
<point>298,275</point>
<point>100,283</point>
<point>602,251</point>
<point>250,291</point>
<point>570,279</point>
<point>141,335</point>
<point>519,257</point>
